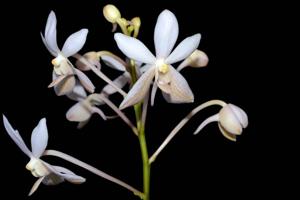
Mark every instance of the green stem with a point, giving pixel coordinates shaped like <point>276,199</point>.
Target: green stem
<point>142,139</point>
<point>146,164</point>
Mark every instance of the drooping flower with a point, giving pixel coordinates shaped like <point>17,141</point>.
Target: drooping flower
<point>171,82</point>
<point>46,173</point>
<point>196,59</point>
<point>231,121</point>
<point>83,110</point>
<point>63,73</point>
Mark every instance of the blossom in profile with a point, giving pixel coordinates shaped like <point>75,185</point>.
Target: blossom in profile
<point>46,173</point>
<point>64,72</point>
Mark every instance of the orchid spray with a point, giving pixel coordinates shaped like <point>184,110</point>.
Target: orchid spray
<point>143,71</point>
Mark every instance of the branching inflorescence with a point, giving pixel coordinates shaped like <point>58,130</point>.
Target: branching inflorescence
<point>140,70</point>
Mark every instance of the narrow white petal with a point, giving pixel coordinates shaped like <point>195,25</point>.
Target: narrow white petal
<point>56,80</point>
<point>165,34</point>
<point>69,175</point>
<point>85,81</point>
<point>153,93</point>
<point>53,53</point>
<point>50,32</point>
<point>184,49</point>
<point>113,63</point>
<point>15,136</point>
<point>36,185</point>
<point>145,68</point>
<point>78,93</point>
<point>139,89</point>
<point>180,91</point>
<point>79,112</point>
<point>134,49</point>
<point>74,42</point>
<point>213,118</point>
<point>39,138</point>
<point>120,81</point>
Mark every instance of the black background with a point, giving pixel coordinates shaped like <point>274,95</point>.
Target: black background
<point>236,38</point>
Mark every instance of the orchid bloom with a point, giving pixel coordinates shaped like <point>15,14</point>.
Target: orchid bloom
<point>173,85</point>
<point>63,73</point>
<point>46,173</point>
<point>231,121</point>
<point>83,110</point>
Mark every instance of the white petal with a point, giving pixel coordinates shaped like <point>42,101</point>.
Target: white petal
<point>79,112</point>
<point>78,93</point>
<point>180,89</point>
<point>134,49</point>
<point>165,34</point>
<point>36,185</point>
<point>74,42</point>
<point>213,118</point>
<point>85,81</point>
<point>240,114</point>
<point>139,89</point>
<point>50,33</point>
<point>56,80</point>
<point>69,175</point>
<point>226,134</point>
<point>153,93</point>
<point>65,86</point>
<point>15,136</point>
<point>39,138</point>
<point>120,81</point>
<point>53,178</point>
<point>113,63</point>
<point>184,49</point>
<point>145,68</point>
<point>53,53</point>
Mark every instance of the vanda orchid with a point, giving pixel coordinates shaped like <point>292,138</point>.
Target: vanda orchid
<point>140,69</point>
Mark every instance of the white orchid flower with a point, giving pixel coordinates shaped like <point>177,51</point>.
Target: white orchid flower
<point>231,121</point>
<point>63,74</point>
<point>46,173</point>
<point>83,110</point>
<point>167,78</point>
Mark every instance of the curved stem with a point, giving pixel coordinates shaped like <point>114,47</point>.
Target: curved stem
<point>93,170</point>
<point>99,73</point>
<point>120,113</point>
<point>182,123</point>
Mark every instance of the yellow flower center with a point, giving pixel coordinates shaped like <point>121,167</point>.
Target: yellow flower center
<point>37,168</point>
<point>57,61</point>
<point>162,66</point>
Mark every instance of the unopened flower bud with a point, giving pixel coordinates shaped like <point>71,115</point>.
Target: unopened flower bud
<point>111,13</point>
<point>196,59</point>
<point>136,23</point>
<point>233,119</point>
